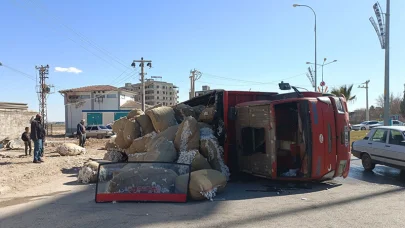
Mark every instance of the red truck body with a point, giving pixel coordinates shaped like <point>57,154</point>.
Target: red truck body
<point>325,152</point>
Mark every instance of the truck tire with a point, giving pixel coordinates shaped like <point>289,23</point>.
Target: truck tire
<point>367,163</point>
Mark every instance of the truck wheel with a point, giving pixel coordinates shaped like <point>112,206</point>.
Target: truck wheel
<point>363,128</point>
<point>100,136</point>
<point>367,163</point>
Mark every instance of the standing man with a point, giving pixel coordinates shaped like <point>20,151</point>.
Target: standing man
<point>37,135</point>
<point>81,132</point>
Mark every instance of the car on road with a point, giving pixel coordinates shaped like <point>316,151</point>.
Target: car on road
<point>98,131</point>
<point>364,125</point>
<point>383,145</point>
<point>381,123</point>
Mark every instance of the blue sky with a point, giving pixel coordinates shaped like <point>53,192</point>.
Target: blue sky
<point>238,45</point>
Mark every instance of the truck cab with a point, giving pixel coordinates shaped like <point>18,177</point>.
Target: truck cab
<point>304,137</point>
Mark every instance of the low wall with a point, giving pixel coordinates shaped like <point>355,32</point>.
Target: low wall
<point>13,122</point>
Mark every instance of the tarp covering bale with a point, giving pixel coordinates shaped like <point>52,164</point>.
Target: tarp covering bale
<point>204,184</point>
<point>188,135</point>
<point>70,149</point>
<point>88,173</point>
<point>182,110</point>
<point>121,142</point>
<point>15,144</point>
<point>207,116</point>
<point>137,157</point>
<point>162,118</point>
<point>210,148</point>
<point>198,110</point>
<point>162,180</point>
<point>119,124</point>
<point>145,123</point>
<point>114,156</point>
<point>135,113</point>
<point>110,144</point>
<point>141,144</point>
<point>194,158</point>
<point>202,125</point>
<point>161,150</point>
<point>169,133</point>
<point>132,130</point>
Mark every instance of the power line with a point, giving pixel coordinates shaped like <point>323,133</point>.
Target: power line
<point>81,36</point>
<point>82,46</point>
<point>18,71</point>
<point>253,82</point>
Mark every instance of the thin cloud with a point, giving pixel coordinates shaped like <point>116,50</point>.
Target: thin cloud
<point>68,70</point>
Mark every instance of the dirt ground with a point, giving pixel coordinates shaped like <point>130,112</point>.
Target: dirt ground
<point>18,173</point>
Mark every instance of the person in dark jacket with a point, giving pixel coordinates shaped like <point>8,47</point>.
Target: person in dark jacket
<point>37,135</point>
<point>27,140</point>
<point>81,133</point>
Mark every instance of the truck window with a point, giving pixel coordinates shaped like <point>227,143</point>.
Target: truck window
<point>253,140</point>
<point>339,105</point>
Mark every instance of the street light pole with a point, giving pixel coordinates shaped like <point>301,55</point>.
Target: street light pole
<point>316,71</point>
<point>387,119</point>
<point>322,65</point>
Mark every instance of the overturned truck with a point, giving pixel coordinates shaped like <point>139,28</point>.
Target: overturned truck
<point>300,135</point>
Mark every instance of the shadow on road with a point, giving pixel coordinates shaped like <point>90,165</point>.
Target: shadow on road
<point>79,209</point>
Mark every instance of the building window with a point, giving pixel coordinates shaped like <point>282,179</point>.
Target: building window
<point>157,98</point>
<point>84,96</point>
<point>157,87</point>
<point>170,98</point>
<point>111,95</point>
<point>157,92</point>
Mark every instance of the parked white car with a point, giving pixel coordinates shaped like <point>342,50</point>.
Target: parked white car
<point>364,125</point>
<point>381,123</point>
<point>98,131</point>
<point>382,145</point>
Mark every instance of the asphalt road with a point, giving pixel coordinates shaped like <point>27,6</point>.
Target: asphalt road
<point>362,200</point>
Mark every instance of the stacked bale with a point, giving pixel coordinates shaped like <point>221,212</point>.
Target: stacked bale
<point>166,134</point>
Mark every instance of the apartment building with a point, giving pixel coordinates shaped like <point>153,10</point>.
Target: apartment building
<point>156,92</point>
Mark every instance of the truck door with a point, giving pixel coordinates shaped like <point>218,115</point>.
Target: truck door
<point>342,136</point>
<point>328,136</point>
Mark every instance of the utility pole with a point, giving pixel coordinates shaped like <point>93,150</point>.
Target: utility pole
<point>387,121</point>
<point>141,65</point>
<point>43,90</point>
<point>367,108</point>
<point>195,75</point>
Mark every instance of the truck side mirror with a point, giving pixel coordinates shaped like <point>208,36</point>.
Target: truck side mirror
<point>284,86</point>
<point>232,113</point>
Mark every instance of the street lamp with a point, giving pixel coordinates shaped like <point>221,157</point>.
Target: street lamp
<point>316,72</point>
<point>322,65</point>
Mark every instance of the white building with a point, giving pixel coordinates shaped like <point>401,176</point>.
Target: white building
<point>98,105</point>
<point>156,92</point>
<point>205,89</point>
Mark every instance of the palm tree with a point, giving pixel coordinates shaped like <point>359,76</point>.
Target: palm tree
<point>345,90</point>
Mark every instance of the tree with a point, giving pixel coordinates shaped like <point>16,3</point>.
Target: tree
<point>395,103</point>
<point>345,90</point>
<point>402,107</point>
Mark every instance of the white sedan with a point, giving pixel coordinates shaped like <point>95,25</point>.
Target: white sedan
<point>381,123</point>
<point>382,145</point>
<point>364,125</point>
